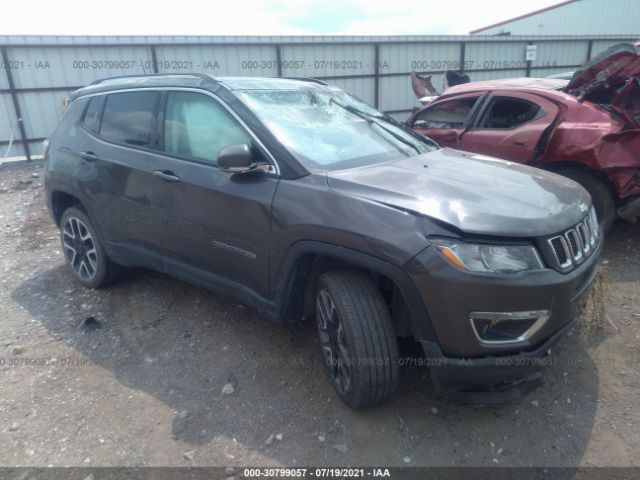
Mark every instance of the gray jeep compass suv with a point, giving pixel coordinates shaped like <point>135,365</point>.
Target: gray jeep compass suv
<point>305,203</point>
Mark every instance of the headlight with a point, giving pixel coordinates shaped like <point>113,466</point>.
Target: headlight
<point>477,257</point>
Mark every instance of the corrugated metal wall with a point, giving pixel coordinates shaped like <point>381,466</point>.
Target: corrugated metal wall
<point>583,17</point>
<point>39,72</point>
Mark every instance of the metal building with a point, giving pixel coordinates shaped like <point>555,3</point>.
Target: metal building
<point>573,17</point>
<point>37,73</point>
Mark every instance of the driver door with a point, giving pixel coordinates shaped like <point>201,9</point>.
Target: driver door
<point>215,224</point>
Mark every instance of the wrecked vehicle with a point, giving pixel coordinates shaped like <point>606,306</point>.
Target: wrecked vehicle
<point>587,129</point>
<point>305,203</point>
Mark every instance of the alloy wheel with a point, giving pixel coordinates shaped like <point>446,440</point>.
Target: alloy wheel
<point>79,248</point>
<point>334,342</point>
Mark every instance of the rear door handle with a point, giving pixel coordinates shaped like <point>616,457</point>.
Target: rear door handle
<point>166,176</point>
<point>89,156</point>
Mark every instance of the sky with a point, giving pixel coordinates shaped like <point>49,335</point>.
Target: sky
<point>257,17</point>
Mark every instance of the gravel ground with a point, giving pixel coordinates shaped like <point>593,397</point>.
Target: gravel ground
<point>143,382</point>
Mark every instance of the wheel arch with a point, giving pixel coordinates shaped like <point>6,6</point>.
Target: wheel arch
<point>305,261</point>
<point>61,200</point>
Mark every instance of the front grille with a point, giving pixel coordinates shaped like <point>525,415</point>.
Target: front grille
<point>572,247</point>
<point>561,251</point>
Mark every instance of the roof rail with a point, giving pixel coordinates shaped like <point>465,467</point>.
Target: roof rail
<point>204,76</point>
<point>307,79</point>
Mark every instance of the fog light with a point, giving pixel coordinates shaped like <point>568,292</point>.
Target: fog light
<point>499,328</point>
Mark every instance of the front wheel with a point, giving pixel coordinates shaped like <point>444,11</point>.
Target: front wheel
<point>357,338</point>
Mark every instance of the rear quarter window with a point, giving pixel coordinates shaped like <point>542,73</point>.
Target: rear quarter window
<point>70,120</point>
<point>91,120</point>
<point>129,117</point>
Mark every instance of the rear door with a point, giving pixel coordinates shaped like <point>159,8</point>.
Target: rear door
<point>510,126</point>
<point>213,222</point>
<point>444,121</point>
<point>115,175</point>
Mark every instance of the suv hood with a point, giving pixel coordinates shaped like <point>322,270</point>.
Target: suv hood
<point>474,193</point>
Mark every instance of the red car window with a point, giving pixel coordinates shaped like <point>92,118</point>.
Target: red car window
<point>451,114</point>
<point>506,112</point>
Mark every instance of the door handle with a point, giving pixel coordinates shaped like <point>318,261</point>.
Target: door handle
<point>88,156</point>
<point>166,176</point>
<point>520,144</point>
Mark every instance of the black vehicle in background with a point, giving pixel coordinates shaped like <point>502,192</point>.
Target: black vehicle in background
<point>304,202</point>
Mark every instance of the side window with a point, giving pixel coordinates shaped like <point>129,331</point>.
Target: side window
<point>199,127</point>
<point>91,120</point>
<point>129,117</point>
<point>451,114</point>
<point>505,113</point>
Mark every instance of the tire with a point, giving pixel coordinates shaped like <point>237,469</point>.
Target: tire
<point>600,193</point>
<point>83,251</point>
<point>359,345</point>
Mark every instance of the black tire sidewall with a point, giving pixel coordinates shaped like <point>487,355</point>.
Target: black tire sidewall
<point>359,362</point>
<point>348,331</point>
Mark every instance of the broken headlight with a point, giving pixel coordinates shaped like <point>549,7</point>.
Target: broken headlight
<point>487,258</point>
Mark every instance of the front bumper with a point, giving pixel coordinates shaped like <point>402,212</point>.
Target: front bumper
<point>492,380</point>
<point>461,365</point>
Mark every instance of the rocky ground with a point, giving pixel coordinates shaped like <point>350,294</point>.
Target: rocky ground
<point>152,371</point>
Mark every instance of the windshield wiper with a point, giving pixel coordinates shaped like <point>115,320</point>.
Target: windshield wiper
<point>375,120</point>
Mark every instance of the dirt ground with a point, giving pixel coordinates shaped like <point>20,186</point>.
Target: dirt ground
<point>142,384</point>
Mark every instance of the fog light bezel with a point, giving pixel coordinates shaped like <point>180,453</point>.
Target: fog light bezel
<point>541,315</point>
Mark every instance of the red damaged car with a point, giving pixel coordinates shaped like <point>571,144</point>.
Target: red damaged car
<point>587,129</point>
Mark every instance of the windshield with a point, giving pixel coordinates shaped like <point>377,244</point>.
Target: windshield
<point>331,130</point>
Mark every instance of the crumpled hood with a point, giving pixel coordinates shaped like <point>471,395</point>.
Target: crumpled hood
<point>475,193</point>
<point>608,70</point>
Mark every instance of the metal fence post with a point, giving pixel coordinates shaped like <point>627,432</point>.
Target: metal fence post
<point>154,58</point>
<point>589,49</point>
<point>376,75</point>
<point>16,105</point>
<point>463,47</point>
<point>528,61</point>
<point>279,60</point>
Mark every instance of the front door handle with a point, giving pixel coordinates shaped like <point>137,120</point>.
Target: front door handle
<point>520,144</point>
<point>89,156</point>
<point>166,176</point>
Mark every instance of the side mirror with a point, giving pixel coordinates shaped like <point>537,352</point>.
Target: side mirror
<point>235,158</point>
<point>238,159</point>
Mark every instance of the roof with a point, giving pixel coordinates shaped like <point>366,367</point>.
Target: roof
<point>508,83</point>
<point>270,83</point>
<point>197,80</point>
<point>520,17</point>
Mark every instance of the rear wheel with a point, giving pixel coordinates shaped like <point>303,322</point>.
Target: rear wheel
<point>601,195</point>
<point>357,338</point>
<point>83,251</point>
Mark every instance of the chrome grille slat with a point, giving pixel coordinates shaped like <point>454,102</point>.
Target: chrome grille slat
<point>561,251</point>
<point>574,242</point>
<point>573,246</point>
<point>585,236</point>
